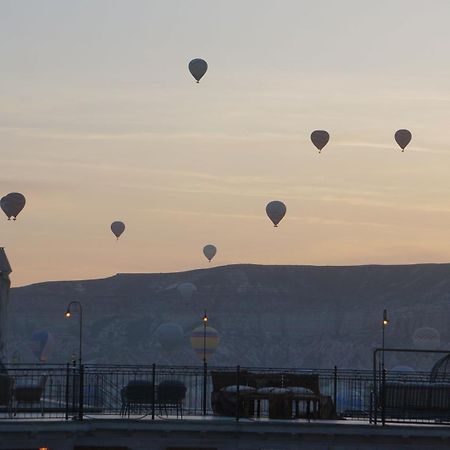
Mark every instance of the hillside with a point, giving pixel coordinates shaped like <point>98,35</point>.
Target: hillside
<point>296,316</point>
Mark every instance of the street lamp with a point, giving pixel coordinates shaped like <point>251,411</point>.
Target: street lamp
<point>385,323</point>
<point>205,322</point>
<point>205,367</point>
<point>68,314</point>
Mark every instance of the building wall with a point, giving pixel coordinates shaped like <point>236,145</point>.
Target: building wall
<point>216,435</point>
<point>4,300</point>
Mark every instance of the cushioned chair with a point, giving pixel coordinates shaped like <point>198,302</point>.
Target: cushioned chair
<point>171,394</point>
<point>421,400</point>
<point>440,397</point>
<point>267,385</point>
<point>305,389</point>
<point>137,395</point>
<point>280,401</point>
<point>6,391</point>
<point>224,394</point>
<point>29,392</point>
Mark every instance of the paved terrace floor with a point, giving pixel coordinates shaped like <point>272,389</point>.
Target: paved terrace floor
<point>217,433</point>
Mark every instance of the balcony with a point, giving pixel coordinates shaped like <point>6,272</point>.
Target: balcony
<point>67,392</point>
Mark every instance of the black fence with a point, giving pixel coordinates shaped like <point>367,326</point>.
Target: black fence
<point>102,391</point>
<point>422,397</point>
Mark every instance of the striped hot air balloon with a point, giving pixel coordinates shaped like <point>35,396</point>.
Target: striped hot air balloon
<point>204,341</point>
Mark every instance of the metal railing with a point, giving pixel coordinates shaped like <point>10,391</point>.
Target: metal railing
<point>101,391</point>
<point>416,397</point>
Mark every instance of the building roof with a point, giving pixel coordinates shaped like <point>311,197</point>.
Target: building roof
<point>5,267</point>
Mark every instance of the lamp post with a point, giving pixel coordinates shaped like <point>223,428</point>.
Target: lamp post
<point>385,323</point>
<point>68,314</point>
<point>205,322</point>
<point>205,367</point>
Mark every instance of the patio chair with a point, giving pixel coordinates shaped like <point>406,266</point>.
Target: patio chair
<point>137,395</point>
<point>29,392</point>
<point>6,392</point>
<point>306,389</point>
<point>171,394</point>
<point>224,394</point>
<point>270,388</point>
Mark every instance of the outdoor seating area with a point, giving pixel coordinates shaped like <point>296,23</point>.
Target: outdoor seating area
<point>70,391</point>
<point>425,400</point>
<point>138,397</point>
<point>18,393</point>
<point>6,392</point>
<point>29,392</point>
<point>279,390</point>
<point>170,396</point>
<point>410,396</point>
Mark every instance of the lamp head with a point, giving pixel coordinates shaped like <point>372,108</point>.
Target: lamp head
<point>385,318</point>
<point>67,313</point>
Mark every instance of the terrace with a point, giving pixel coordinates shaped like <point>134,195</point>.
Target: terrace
<point>71,407</point>
<point>48,391</point>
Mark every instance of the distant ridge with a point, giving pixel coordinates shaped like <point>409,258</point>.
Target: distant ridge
<point>267,315</point>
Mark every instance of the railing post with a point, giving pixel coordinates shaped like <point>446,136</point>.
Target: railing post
<point>81,394</point>
<point>238,382</point>
<point>383,397</point>
<point>375,389</point>
<point>335,380</point>
<point>67,389</point>
<point>154,389</point>
<point>74,386</point>
<point>205,381</point>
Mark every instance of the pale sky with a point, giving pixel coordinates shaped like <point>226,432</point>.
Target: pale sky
<point>100,120</point>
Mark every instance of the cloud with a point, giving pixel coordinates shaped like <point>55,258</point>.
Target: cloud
<point>311,220</point>
<point>55,134</point>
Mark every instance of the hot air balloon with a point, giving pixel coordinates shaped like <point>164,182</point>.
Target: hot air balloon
<point>170,335</point>
<point>276,211</point>
<point>209,251</point>
<point>426,338</point>
<point>42,343</point>
<point>320,138</point>
<point>204,341</point>
<point>5,208</point>
<point>12,204</point>
<point>117,228</point>
<point>403,138</point>
<point>186,290</point>
<point>198,68</point>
